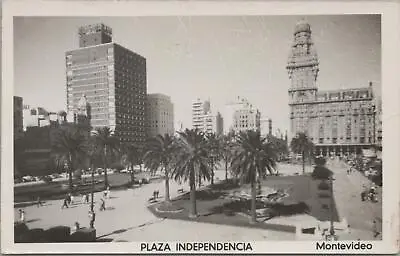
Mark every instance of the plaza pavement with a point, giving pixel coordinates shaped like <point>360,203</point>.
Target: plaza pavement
<point>128,219</point>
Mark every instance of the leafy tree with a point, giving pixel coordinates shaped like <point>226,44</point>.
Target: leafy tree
<point>279,145</point>
<point>253,158</point>
<point>105,139</point>
<point>131,157</point>
<point>159,153</point>
<point>69,147</point>
<point>192,160</point>
<point>301,144</point>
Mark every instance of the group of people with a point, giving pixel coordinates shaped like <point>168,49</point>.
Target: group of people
<point>69,200</point>
<point>369,194</point>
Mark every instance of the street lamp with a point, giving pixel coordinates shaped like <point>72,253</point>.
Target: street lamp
<point>92,214</point>
<point>332,228</point>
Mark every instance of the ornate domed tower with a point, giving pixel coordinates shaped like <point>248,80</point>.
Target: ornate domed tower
<point>303,68</point>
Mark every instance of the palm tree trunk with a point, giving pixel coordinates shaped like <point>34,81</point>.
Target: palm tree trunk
<point>193,212</point>
<point>105,168</point>
<point>70,179</point>
<point>199,180</point>
<point>167,199</point>
<point>304,161</point>
<point>253,202</point>
<point>132,175</point>
<point>69,169</point>
<point>212,172</point>
<point>226,169</point>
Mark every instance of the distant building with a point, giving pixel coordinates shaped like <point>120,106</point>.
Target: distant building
<point>378,124</point>
<point>266,126</point>
<point>338,122</point>
<point>160,114</point>
<point>18,117</point>
<point>34,117</point>
<point>113,81</point>
<point>240,115</point>
<point>204,119</point>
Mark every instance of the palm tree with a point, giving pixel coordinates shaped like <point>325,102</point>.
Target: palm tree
<point>227,146</point>
<point>214,145</point>
<point>69,146</point>
<point>301,144</point>
<point>93,152</point>
<point>109,144</point>
<point>159,153</point>
<point>131,157</point>
<point>192,159</point>
<point>252,159</point>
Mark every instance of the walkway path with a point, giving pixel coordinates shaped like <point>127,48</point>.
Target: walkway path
<point>359,215</point>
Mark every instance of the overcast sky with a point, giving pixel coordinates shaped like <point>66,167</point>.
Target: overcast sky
<point>216,58</point>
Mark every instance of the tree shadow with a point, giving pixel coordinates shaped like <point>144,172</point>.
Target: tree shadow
<point>119,231</point>
<point>32,220</point>
<point>204,195</point>
<point>104,240</point>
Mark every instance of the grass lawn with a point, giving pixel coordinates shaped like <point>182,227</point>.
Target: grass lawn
<point>213,205</point>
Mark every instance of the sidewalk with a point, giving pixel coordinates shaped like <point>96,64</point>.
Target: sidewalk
<point>360,215</point>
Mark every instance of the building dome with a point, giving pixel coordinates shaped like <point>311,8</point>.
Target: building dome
<point>302,26</point>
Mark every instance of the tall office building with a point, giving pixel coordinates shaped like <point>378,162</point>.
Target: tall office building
<point>240,115</point>
<point>160,114</point>
<point>204,119</point>
<point>18,117</point>
<point>339,121</point>
<point>113,81</point>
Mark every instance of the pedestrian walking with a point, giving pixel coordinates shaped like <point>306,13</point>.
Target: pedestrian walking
<point>69,198</point>
<point>65,203</point>
<point>87,198</point>
<point>108,192</point>
<point>157,193</point>
<point>22,215</point>
<point>76,227</point>
<point>375,229</point>
<point>102,205</point>
<point>72,199</point>
<point>39,203</point>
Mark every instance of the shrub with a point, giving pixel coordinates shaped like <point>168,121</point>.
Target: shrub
<point>323,186</point>
<point>37,235</point>
<point>321,172</point>
<point>320,161</point>
<point>58,234</point>
<point>83,235</point>
<point>20,228</point>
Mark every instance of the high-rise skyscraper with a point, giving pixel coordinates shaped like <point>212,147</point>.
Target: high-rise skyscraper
<point>113,81</point>
<point>160,114</point>
<point>339,121</point>
<point>240,115</point>
<point>204,119</point>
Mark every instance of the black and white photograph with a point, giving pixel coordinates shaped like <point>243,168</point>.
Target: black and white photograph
<point>212,131</point>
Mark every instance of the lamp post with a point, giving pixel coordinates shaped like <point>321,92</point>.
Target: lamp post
<point>92,215</point>
<point>332,228</point>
